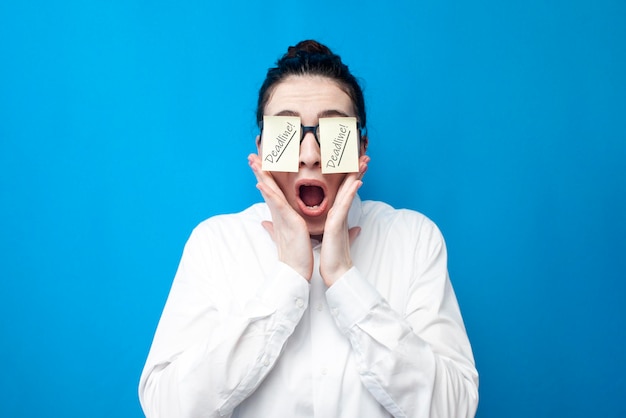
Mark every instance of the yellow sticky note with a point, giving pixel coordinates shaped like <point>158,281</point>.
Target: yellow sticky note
<point>339,142</point>
<point>280,143</point>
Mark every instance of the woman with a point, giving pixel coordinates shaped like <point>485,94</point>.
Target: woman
<point>314,303</point>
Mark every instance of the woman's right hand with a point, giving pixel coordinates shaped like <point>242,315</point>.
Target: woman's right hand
<point>287,228</point>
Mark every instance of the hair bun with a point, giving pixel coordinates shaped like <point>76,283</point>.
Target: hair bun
<point>307,47</point>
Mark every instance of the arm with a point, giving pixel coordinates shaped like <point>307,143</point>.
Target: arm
<point>214,345</point>
<point>417,363</point>
<point>207,357</point>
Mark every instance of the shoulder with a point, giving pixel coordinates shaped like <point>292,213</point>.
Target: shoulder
<point>401,232</point>
<point>404,228</point>
<point>382,214</point>
<point>233,224</point>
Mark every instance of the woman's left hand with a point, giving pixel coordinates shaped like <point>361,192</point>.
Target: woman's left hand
<point>335,259</point>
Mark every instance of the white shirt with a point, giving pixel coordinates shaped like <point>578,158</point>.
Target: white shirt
<point>244,335</point>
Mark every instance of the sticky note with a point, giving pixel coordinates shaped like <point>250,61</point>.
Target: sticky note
<point>339,142</point>
<point>280,143</point>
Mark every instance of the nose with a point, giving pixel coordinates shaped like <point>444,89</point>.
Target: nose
<point>310,156</point>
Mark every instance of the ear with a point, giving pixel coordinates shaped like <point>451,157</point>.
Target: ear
<point>258,144</point>
<point>363,146</point>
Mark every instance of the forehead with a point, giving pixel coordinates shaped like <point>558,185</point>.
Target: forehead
<point>309,97</point>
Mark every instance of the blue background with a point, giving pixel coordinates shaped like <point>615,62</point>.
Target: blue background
<point>125,123</point>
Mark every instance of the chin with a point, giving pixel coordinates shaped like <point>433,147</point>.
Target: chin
<point>315,229</point>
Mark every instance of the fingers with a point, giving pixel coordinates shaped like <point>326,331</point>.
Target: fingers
<point>263,177</point>
<point>353,182</point>
<point>363,164</point>
<point>272,194</point>
<point>346,194</point>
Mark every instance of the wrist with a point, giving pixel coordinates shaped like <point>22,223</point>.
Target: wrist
<point>330,277</point>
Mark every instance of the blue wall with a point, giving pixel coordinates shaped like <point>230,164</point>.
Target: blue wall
<point>125,123</point>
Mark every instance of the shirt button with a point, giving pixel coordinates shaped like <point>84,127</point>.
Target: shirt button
<point>324,371</point>
<point>334,311</point>
<point>319,307</point>
<point>266,362</point>
<point>299,303</point>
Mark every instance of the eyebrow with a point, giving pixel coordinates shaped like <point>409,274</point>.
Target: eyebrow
<point>332,113</point>
<point>324,114</point>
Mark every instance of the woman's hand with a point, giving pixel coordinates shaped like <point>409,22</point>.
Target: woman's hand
<point>335,259</point>
<point>288,229</point>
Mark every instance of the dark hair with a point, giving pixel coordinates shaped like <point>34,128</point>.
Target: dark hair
<point>312,58</point>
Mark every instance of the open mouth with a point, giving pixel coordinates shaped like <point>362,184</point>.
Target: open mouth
<point>312,196</point>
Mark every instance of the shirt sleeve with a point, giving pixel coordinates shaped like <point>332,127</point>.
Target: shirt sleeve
<point>418,362</point>
<point>206,359</point>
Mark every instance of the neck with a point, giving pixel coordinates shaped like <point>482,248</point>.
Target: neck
<point>317,237</point>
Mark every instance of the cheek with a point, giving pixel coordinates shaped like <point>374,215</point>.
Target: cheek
<point>334,182</point>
